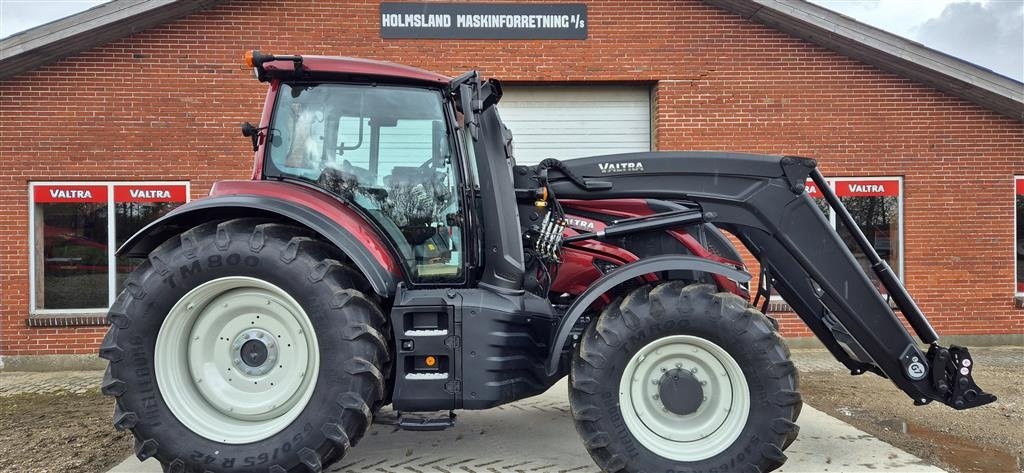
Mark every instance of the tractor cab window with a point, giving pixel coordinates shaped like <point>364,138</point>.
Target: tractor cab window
<point>385,149</point>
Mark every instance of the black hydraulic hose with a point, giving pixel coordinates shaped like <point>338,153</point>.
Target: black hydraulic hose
<point>911,312</point>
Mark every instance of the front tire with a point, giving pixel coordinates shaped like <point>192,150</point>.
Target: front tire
<point>244,345</point>
<point>678,378</point>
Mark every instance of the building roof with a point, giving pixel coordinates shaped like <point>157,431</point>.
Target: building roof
<point>49,42</point>
<point>96,26</point>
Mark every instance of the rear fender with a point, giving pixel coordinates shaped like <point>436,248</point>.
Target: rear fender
<point>625,273</point>
<point>323,214</point>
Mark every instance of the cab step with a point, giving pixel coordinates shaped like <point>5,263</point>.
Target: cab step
<point>419,422</point>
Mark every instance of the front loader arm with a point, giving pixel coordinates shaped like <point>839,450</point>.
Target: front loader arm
<point>762,201</point>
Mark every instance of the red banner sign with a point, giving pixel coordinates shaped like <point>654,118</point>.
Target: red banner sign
<point>69,194</point>
<point>1020,186</point>
<point>148,193</point>
<point>812,189</point>
<point>867,188</point>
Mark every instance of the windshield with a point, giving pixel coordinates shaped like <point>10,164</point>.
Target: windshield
<point>385,149</point>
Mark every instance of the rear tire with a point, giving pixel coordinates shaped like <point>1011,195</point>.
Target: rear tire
<point>679,378</point>
<point>232,303</point>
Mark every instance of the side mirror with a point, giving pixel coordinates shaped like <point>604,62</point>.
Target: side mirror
<point>252,132</point>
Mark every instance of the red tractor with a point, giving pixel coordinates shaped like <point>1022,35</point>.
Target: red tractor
<point>389,250</point>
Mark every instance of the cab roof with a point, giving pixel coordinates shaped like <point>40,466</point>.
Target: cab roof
<point>349,67</point>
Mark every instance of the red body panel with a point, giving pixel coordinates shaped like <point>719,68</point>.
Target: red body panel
<point>320,203</point>
<point>359,67</point>
<point>572,277</point>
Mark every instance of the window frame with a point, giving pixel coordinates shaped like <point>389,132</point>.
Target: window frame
<point>111,240</point>
<point>899,205</point>
<point>1017,181</point>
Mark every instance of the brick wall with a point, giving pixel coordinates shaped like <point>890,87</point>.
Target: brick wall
<point>166,103</point>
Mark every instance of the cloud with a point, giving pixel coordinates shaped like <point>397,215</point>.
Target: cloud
<point>989,34</point>
<point>901,17</point>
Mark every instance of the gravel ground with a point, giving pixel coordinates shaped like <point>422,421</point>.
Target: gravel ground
<point>984,439</point>
<point>59,422</point>
<point>59,432</point>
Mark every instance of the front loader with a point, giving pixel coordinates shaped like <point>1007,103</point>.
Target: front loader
<point>389,250</point>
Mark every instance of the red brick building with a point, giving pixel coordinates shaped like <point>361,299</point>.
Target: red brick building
<point>111,116</point>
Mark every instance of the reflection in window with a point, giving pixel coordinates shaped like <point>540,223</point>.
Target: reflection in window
<point>878,218</point>
<point>129,218</point>
<point>73,248</point>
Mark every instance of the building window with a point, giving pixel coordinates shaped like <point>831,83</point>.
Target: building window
<point>76,227</point>
<point>876,204</point>
<point>1019,243</point>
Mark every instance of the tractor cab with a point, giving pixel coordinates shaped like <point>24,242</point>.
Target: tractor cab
<point>387,151</point>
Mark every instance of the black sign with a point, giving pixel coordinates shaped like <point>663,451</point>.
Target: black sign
<point>483,20</point>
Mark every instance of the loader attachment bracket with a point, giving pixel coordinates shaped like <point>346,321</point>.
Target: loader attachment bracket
<point>951,374</point>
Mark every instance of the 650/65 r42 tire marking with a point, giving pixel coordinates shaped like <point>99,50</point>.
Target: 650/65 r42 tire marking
<point>265,263</point>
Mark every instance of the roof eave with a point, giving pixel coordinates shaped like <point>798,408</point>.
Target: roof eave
<point>94,27</point>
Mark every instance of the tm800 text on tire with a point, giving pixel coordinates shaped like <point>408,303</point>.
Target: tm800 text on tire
<point>679,378</point>
<point>244,345</point>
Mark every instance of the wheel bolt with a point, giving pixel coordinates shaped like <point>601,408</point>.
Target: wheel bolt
<point>654,381</point>
<point>679,365</point>
<point>705,398</point>
<point>703,383</point>
<point>693,370</point>
<point>656,397</point>
<point>663,370</point>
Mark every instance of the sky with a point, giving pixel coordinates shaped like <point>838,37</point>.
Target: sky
<point>989,33</point>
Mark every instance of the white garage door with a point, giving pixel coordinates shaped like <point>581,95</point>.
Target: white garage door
<point>575,121</point>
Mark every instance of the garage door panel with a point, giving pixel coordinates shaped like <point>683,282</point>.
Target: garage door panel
<point>576,121</point>
<point>540,130</point>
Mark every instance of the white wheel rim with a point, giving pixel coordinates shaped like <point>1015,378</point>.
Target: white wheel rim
<point>702,434</point>
<point>199,366</point>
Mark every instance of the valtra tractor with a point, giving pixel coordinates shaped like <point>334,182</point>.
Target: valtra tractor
<point>389,250</point>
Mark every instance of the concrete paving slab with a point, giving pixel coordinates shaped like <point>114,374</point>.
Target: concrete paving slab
<point>537,435</point>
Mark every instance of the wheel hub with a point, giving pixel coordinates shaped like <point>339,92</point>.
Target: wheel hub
<point>684,397</point>
<point>237,359</point>
<point>680,392</point>
<point>254,352</point>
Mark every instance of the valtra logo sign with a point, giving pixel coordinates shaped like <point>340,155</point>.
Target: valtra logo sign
<point>611,168</point>
<point>858,188</point>
<point>70,194</point>
<point>149,193</point>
